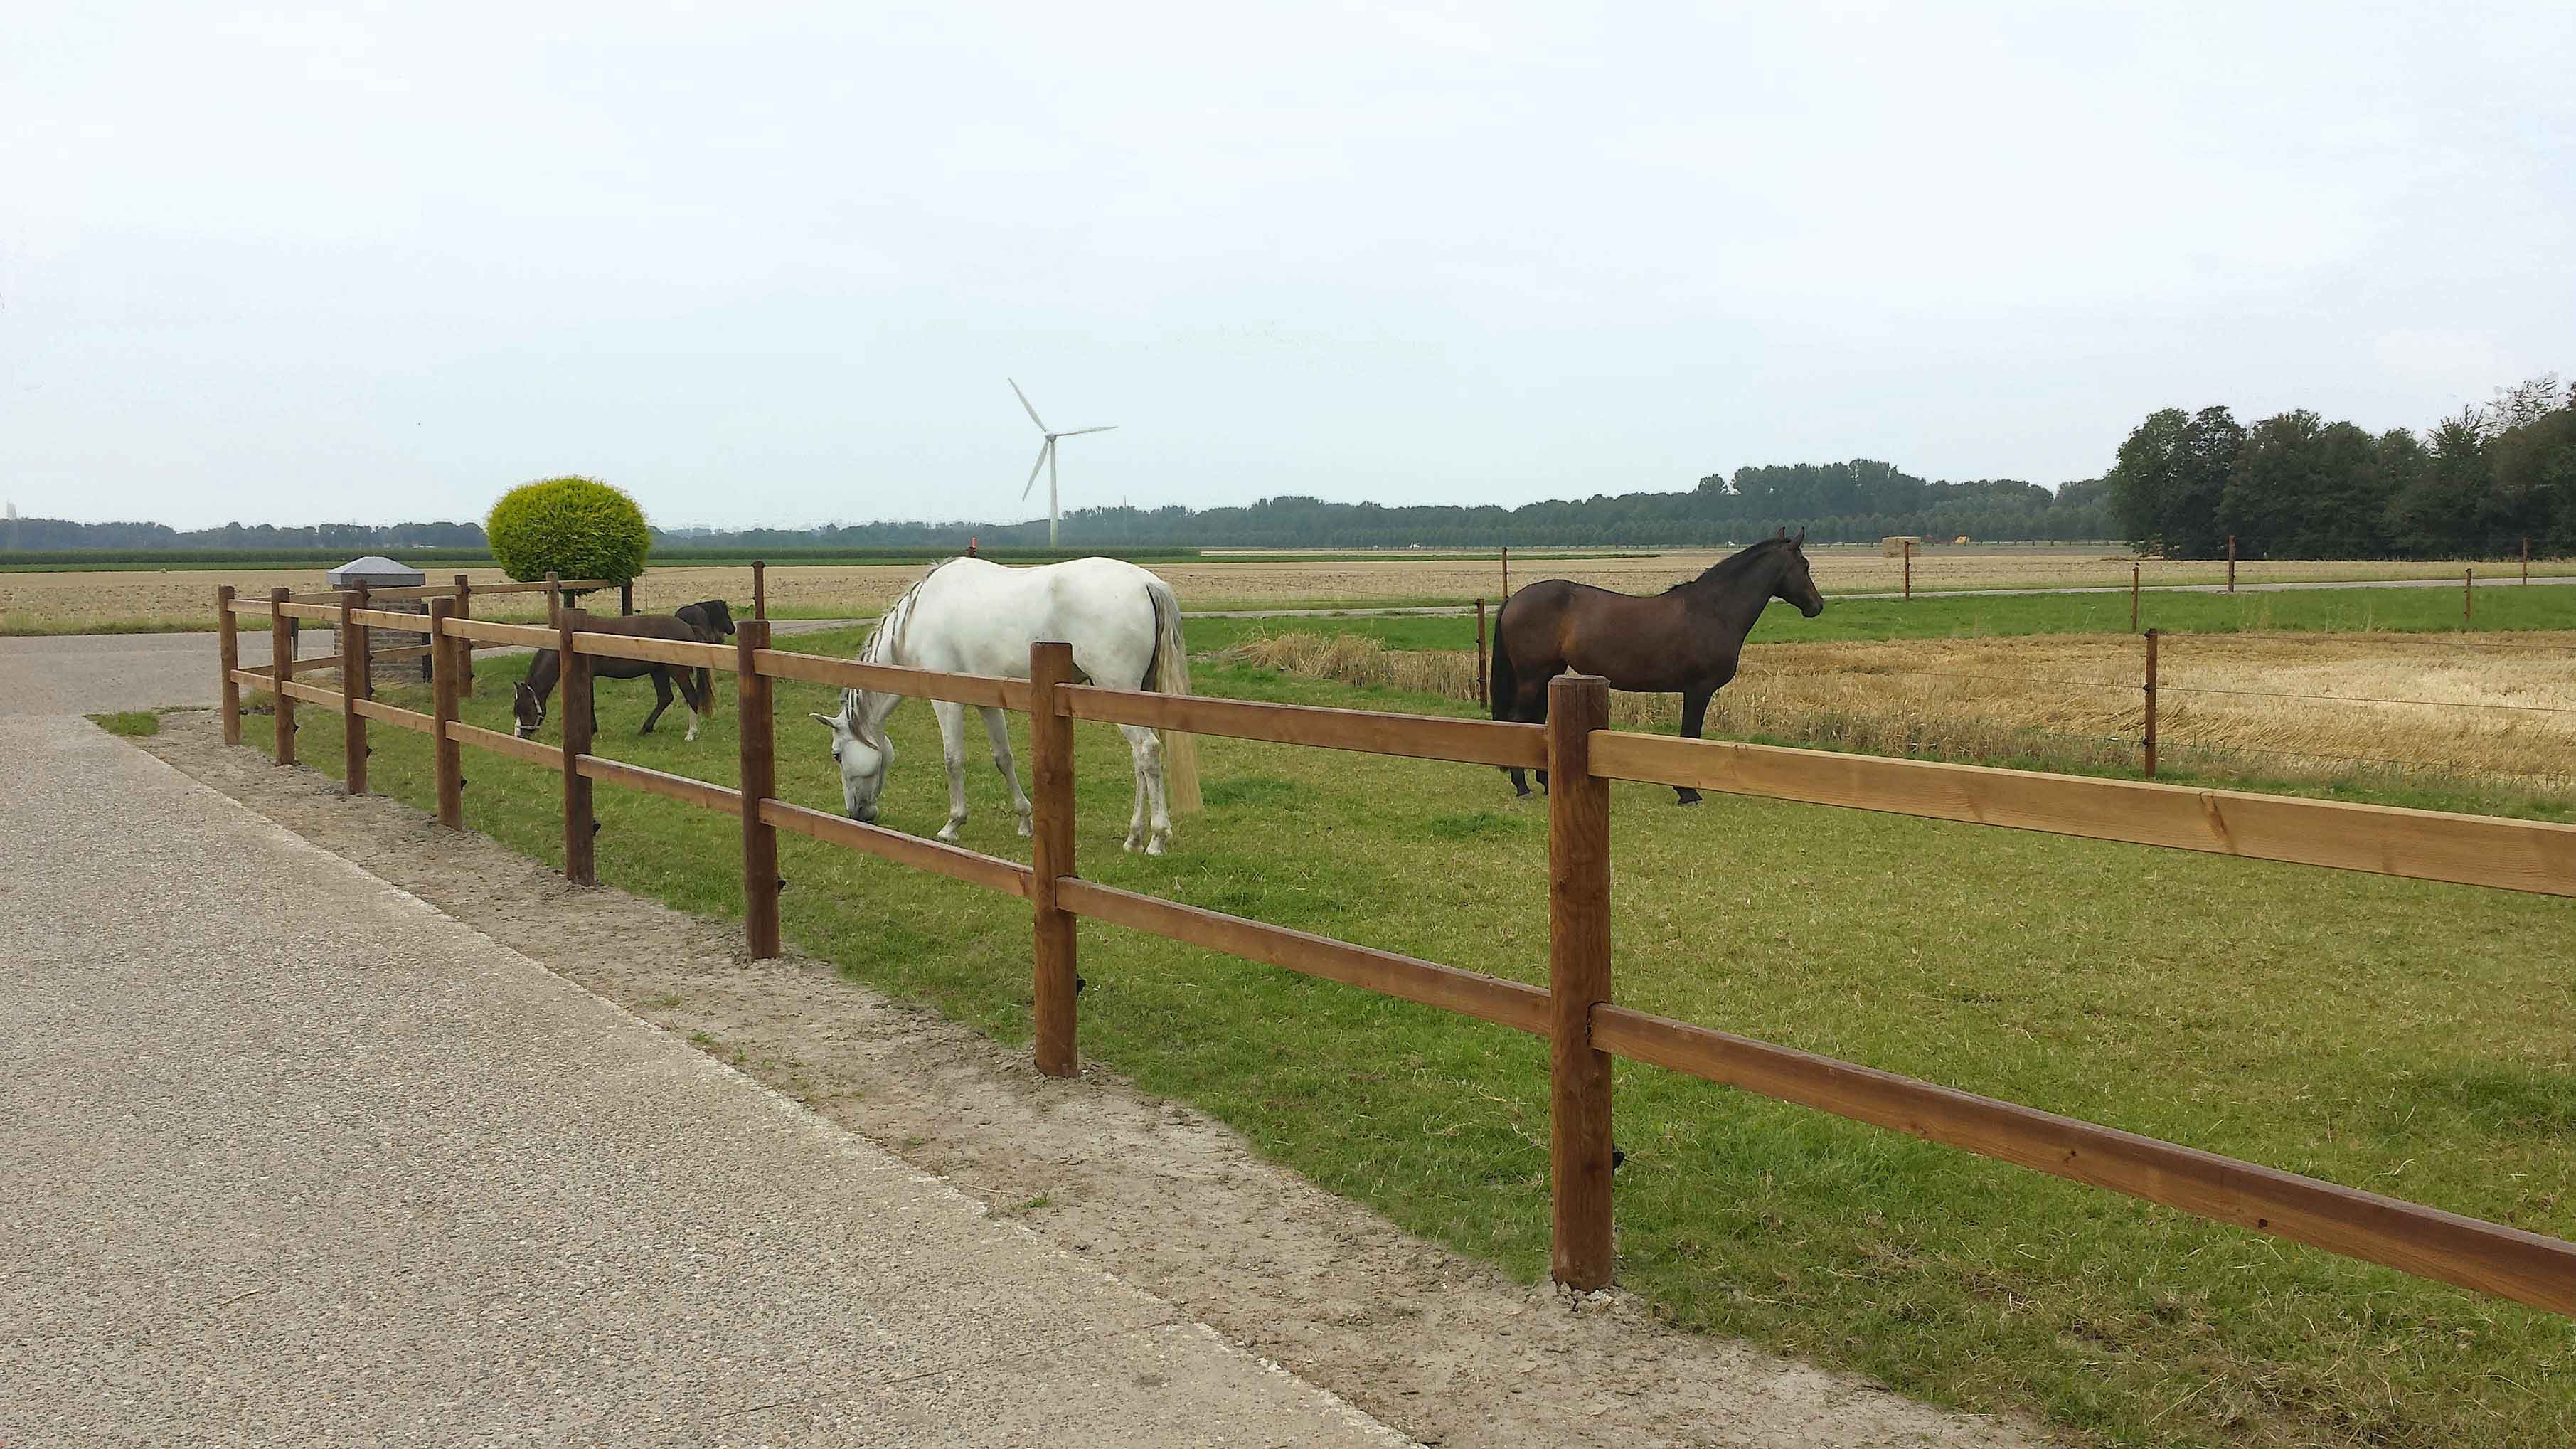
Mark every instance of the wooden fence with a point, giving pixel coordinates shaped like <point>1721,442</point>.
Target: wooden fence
<point>1575,1011</point>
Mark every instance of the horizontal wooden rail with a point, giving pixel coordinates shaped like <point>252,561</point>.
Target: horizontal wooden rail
<point>1423,737</point>
<point>2427,1242</point>
<point>390,619</point>
<point>2517,855</point>
<point>548,756</point>
<point>956,862</point>
<point>447,591</point>
<point>249,606</point>
<point>533,636</point>
<point>324,613</point>
<point>975,689</point>
<point>656,651</point>
<point>1487,998</point>
<point>657,782</point>
<point>309,693</point>
<point>383,713</point>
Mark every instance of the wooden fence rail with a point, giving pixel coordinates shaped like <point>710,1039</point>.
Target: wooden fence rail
<point>1575,1011</point>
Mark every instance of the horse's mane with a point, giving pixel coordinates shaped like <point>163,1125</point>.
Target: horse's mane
<point>1739,561</point>
<point>886,639</point>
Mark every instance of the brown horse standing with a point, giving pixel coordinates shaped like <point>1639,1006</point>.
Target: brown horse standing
<point>1684,640</point>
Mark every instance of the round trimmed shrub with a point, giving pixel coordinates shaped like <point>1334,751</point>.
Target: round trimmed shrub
<point>575,528</point>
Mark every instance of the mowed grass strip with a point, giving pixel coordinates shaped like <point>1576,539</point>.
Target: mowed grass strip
<point>2404,1037</point>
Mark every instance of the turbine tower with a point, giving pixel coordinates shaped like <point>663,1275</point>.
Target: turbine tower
<point>1046,457</point>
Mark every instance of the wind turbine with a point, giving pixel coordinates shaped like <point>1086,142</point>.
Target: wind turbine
<point>1046,457</point>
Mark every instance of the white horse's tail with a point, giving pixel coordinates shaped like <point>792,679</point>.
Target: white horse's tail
<point>1172,676</point>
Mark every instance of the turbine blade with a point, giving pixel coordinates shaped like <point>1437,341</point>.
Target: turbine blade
<point>1078,432</point>
<point>1024,402</point>
<point>1044,449</point>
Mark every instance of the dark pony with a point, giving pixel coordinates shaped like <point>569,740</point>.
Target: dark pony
<point>1684,640</point>
<point>528,702</point>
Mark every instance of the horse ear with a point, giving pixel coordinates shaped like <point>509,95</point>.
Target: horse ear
<point>1802,535</point>
<point>1784,532</point>
<point>829,722</point>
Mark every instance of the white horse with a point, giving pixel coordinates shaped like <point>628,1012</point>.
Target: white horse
<point>972,616</point>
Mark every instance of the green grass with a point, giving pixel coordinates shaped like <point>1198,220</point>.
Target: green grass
<point>2403,1036</point>
<point>131,723</point>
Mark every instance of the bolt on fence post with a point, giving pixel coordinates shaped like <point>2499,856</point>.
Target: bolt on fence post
<point>759,589</point>
<point>1578,975</point>
<point>228,658</point>
<point>1051,856</point>
<point>2151,705</point>
<point>1484,686</point>
<point>281,669</point>
<point>464,647</point>
<point>580,860</point>
<point>759,782</point>
<point>355,678</point>
<point>446,666</point>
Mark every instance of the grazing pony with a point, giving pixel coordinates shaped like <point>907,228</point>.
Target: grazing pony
<point>1686,639</point>
<point>528,702</point>
<point>973,616</point>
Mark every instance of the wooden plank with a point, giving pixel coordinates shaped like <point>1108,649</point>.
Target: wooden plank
<point>449,591</point>
<point>1578,979</point>
<point>281,654</point>
<point>1057,979</point>
<point>325,613</point>
<point>1487,998</point>
<point>581,825</point>
<point>446,671</point>
<point>758,741</point>
<point>228,661</point>
<point>656,651</point>
<point>656,782</point>
<point>249,606</point>
<point>408,651</point>
<point>2427,1242</point>
<point>1423,737</point>
<point>389,618</point>
<point>975,689</point>
<point>532,636</point>
<point>991,872</point>
<point>407,719</point>
<point>505,744</point>
<point>255,679</point>
<point>2517,855</point>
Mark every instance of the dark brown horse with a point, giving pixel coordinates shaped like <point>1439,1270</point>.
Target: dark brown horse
<point>1685,640</point>
<point>528,702</point>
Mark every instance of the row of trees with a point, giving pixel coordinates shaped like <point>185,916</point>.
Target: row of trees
<point>2295,486</point>
<point>62,533</point>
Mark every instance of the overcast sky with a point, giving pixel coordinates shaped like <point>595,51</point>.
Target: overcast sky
<point>771,264</point>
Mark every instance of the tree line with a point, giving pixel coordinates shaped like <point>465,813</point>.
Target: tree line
<point>2474,485</point>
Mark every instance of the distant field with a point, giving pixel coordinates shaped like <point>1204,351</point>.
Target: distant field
<point>181,596</point>
<point>120,560</point>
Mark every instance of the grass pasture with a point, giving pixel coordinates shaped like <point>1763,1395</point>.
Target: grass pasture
<point>2402,1036</point>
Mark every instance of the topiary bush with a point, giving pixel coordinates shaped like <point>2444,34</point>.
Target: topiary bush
<point>575,528</point>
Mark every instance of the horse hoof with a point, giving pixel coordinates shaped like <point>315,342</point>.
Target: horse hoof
<point>1025,829</point>
<point>1687,800</point>
<point>1156,847</point>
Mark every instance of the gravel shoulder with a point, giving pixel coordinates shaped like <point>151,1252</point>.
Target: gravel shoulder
<point>1443,1349</point>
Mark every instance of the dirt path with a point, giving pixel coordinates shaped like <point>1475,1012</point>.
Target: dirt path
<point>1442,1348</point>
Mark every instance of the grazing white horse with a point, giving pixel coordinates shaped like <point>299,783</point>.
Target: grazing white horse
<point>973,616</point>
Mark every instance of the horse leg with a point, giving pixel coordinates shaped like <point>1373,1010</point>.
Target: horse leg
<point>1529,706</point>
<point>997,726</point>
<point>692,699</point>
<point>1694,710</point>
<point>661,699</point>
<point>1151,824</point>
<point>952,748</point>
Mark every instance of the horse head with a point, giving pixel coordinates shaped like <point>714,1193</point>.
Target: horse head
<point>529,708</point>
<point>862,752</point>
<point>1797,587</point>
<point>712,618</point>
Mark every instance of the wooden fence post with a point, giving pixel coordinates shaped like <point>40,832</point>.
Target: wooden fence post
<point>1484,685</point>
<point>1507,573</point>
<point>1578,977</point>
<point>580,865</point>
<point>228,653</point>
<point>2151,705</point>
<point>554,599</point>
<point>2231,563</point>
<point>759,589</point>
<point>446,669</point>
<point>2526,559</point>
<point>626,598</point>
<point>464,647</point>
<point>1908,547</point>
<point>355,681</point>
<point>2468,595</point>
<point>2134,566</point>
<point>759,782</point>
<point>281,668</point>
<point>1051,856</point>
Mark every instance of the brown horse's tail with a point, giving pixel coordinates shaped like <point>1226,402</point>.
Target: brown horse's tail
<point>1503,689</point>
